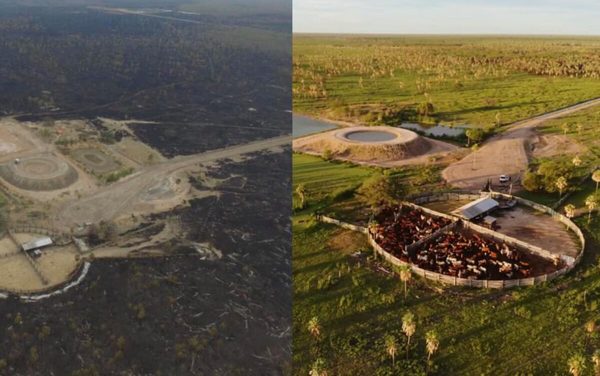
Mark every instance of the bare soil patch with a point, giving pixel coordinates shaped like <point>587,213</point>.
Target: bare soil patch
<point>552,145</point>
<point>538,229</point>
<point>526,224</point>
<point>58,263</point>
<point>12,140</point>
<point>17,274</point>
<point>136,152</point>
<point>7,246</point>
<point>347,241</point>
<point>507,153</point>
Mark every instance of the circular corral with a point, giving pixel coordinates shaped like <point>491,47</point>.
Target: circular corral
<point>43,172</point>
<point>371,145</point>
<point>435,249</point>
<point>25,272</point>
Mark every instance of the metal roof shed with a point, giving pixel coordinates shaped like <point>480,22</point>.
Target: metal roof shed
<point>36,244</point>
<point>476,208</point>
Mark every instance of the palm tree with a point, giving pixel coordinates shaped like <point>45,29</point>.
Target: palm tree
<point>590,326</point>
<point>301,192</point>
<point>314,328</point>
<point>570,210</point>
<point>405,276</point>
<point>561,184</point>
<point>592,203</point>
<point>577,161</point>
<point>596,361</point>
<point>596,178</point>
<point>565,127</point>
<point>391,347</point>
<point>473,135</point>
<point>318,368</point>
<point>432,343</point>
<point>408,327</point>
<point>576,364</point>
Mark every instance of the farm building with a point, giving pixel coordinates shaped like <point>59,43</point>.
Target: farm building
<point>37,244</point>
<point>476,208</point>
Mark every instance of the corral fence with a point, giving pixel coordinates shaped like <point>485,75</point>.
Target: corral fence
<point>568,262</point>
<point>19,291</point>
<point>59,238</point>
<point>348,226</point>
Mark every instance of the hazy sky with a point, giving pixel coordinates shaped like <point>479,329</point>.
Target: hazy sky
<point>581,17</point>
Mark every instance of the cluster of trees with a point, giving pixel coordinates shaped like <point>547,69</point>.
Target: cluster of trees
<point>592,202</point>
<point>552,175</point>
<point>391,343</point>
<point>381,189</point>
<point>578,363</point>
<point>439,63</point>
<point>476,135</point>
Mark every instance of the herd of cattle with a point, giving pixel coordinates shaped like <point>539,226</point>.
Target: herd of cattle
<point>456,252</point>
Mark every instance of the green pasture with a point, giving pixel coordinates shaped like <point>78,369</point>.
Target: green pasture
<point>520,331</point>
<point>497,88</point>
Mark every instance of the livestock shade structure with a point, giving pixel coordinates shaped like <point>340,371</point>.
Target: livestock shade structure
<point>476,208</point>
<point>489,221</point>
<point>36,244</point>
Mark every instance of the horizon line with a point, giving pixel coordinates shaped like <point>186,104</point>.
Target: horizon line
<point>442,34</point>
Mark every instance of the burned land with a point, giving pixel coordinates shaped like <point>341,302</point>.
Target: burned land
<point>214,298</point>
<point>81,62</point>
<point>180,314</point>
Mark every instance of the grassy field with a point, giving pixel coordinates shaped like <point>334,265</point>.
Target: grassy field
<point>467,80</point>
<point>357,300</point>
<point>513,332</point>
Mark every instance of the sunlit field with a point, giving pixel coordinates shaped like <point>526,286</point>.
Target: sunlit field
<point>455,80</point>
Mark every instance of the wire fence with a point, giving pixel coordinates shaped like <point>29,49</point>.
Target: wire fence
<point>568,262</point>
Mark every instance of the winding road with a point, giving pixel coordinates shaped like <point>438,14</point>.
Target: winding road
<point>114,200</point>
<point>504,154</point>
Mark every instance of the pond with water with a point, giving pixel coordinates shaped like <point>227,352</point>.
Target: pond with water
<point>304,125</point>
<point>370,136</point>
<point>435,130</point>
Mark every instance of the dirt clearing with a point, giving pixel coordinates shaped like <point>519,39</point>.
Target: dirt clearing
<point>507,153</point>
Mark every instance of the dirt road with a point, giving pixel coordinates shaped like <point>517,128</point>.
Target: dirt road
<point>114,200</point>
<point>507,153</point>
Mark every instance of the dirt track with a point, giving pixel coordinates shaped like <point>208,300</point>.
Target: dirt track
<point>507,153</point>
<point>116,199</point>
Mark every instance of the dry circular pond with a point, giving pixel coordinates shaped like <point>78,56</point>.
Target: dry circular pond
<point>39,173</point>
<point>95,160</point>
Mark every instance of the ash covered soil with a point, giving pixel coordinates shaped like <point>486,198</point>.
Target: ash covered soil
<point>177,315</point>
<point>191,87</point>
